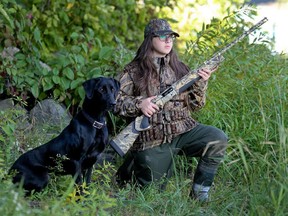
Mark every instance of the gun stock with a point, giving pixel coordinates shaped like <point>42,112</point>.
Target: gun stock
<point>125,139</point>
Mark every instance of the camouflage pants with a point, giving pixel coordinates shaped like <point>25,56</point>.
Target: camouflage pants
<point>205,142</point>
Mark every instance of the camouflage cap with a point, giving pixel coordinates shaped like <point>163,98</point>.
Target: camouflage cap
<point>158,27</point>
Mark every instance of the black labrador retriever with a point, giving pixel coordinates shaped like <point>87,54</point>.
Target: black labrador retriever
<point>75,150</point>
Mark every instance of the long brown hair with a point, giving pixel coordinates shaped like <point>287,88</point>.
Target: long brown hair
<point>147,69</point>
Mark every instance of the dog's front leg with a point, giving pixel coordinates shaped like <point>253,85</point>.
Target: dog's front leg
<point>87,175</point>
<point>79,179</point>
<point>79,182</point>
<point>77,175</point>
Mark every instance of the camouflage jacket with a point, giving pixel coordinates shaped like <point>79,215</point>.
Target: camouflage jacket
<point>175,117</point>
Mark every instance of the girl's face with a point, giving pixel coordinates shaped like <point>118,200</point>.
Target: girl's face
<point>162,45</point>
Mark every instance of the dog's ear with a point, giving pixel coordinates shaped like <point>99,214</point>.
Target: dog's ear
<point>116,84</point>
<point>89,86</point>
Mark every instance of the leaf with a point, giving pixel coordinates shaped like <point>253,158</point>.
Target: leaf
<point>56,79</point>
<point>68,72</point>
<point>105,52</point>
<point>47,84</point>
<point>75,49</point>
<point>81,92</point>
<point>56,93</point>
<point>74,35</point>
<point>8,129</point>
<point>37,35</point>
<point>76,83</point>
<point>63,61</point>
<point>80,59</point>
<point>20,56</point>
<point>35,90</point>
<point>55,71</point>
<point>2,138</point>
<point>80,74</point>
<point>13,72</point>
<point>30,81</point>
<point>3,12</point>
<point>21,63</point>
<point>44,72</point>
<point>84,47</point>
<point>65,83</point>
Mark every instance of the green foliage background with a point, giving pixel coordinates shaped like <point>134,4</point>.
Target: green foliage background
<point>63,43</point>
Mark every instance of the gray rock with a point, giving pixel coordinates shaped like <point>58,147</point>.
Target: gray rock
<point>6,104</point>
<point>50,112</point>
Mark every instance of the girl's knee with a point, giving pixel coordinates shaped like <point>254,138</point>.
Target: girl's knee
<point>218,135</point>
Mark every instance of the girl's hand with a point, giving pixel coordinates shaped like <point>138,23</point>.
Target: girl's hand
<point>147,107</point>
<point>206,73</point>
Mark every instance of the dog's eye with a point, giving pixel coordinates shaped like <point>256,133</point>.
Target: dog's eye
<point>101,90</point>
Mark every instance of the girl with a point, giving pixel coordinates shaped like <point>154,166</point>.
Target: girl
<point>174,132</point>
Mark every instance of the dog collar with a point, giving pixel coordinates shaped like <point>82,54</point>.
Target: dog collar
<point>95,123</point>
<point>98,125</point>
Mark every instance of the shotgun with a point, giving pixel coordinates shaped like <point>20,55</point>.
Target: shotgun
<point>122,142</point>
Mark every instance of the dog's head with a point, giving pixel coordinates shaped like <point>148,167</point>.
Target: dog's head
<point>102,92</point>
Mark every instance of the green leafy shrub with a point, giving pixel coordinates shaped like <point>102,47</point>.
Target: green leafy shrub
<point>59,44</point>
